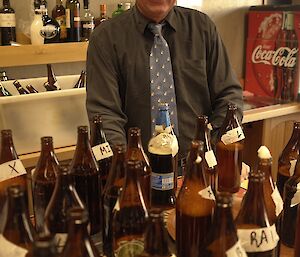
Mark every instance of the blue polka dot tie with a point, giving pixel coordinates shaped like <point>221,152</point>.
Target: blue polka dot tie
<point>161,77</point>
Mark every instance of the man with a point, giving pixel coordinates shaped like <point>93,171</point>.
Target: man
<point>118,70</point>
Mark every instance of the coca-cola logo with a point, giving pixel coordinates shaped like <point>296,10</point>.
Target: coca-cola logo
<point>282,57</point>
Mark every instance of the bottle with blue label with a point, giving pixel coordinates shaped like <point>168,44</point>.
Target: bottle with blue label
<point>163,147</point>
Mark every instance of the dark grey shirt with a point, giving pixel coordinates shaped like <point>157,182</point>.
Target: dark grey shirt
<point>118,77</point>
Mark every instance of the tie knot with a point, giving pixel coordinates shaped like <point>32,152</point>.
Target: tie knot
<point>156,28</point>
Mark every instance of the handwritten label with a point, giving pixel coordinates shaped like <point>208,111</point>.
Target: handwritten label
<point>8,249</point>
<point>292,167</point>
<point>11,169</point>
<point>102,151</point>
<point>296,198</point>
<point>233,136</point>
<point>210,158</point>
<point>277,201</point>
<point>258,240</point>
<point>236,251</point>
<point>207,193</point>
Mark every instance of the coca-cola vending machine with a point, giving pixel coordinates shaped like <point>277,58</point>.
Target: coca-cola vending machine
<point>272,56</point>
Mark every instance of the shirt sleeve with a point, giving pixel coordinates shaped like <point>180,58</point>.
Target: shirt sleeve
<point>223,85</point>
<point>102,90</point>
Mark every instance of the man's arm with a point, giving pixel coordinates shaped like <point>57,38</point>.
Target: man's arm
<point>103,95</point>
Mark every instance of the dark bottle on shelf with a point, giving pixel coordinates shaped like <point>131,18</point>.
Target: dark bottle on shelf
<point>203,134</point>
<point>135,151</point>
<point>222,240</point>
<point>111,193</point>
<point>256,231</point>
<point>194,205</point>
<point>229,152</point>
<point>7,23</point>
<point>59,14</point>
<point>21,90</point>
<point>119,10</point>
<point>52,81</point>
<point>81,82</point>
<point>12,170</point>
<point>50,30</point>
<point>87,22</point>
<point>43,181</point>
<point>31,89</point>
<point>297,239</point>
<point>79,244</point>
<point>162,155</point>
<point>18,233</point>
<point>73,20</point>
<point>103,15</point>
<point>3,76</point>
<point>130,213</point>
<point>156,236</point>
<point>85,171</point>
<point>291,197</point>
<point>43,246</point>
<point>63,198</point>
<point>101,148</point>
<point>288,158</point>
<point>4,91</point>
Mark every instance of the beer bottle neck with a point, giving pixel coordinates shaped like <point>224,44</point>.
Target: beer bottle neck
<point>97,134</point>
<point>6,3</point>
<point>77,233</point>
<point>202,132</point>
<point>7,151</point>
<point>265,166</point>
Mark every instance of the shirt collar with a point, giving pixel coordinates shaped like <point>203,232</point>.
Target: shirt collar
<point>142,22</point>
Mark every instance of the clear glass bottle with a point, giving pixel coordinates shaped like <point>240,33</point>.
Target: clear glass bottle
<point>7,23</point>
<point>87,22</point>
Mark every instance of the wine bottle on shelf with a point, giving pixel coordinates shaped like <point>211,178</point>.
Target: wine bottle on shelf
<point>51,29</point>
<point>103,15</point>
<point>59,14</point>
<point>81,82</point>
<point>21,90</point>
<point>31,89</point>
<point>3,76</point>
<point>73,21</point>
<point>7,23</point>
<point>37,25</point>
<point>87,22</point>
<point>53,84</point>
<point>4,91</point>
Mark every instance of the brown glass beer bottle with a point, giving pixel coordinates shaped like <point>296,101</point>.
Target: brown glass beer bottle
<point>229,152</point>
<point>18,233</point>
<point>297,239</point>
<point>52,80</point>
<point>101,148</point>
<point>81,82</point>
<point>63,198</point>
<point>12,170</point>
<point>135,151</point>
<point>79,244</point>
<point>156,237</point>
<point>288,158</point>
<point>85,171</point>
<point>130,214</point>
<point>222,240</point>
<point>21,90</point>
<point>203,134</point>
<point>255,230</point>
<point>43,246</point>
<point>111,193</point>
<point>194,206</point>
<point>291,197</point>
<point>31,89</point>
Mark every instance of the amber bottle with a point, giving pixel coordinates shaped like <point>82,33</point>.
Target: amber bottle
<point>297,239</point>
<point>111,193</point>
<point>52,81</point>
<point>63,198</point>
<point>194,206</point>
<point>81,82</point>
<point>79,244</point>
<point>291,197</point>
<point>101,148</point>
<point>12,170</point>
<point>31,89</point>
<point>255,230</point>
<point>222,240</point>
<point>43,246</point>
<point>130,214</point>
<point>229,152</point>
<point>85,171</point>
<point>288,158</point>
<point>135,151</point>
<point>203,134</point>
<point>18,233</point>
<point>43,181</point>
<point>156,237</point>
<point>21,90</point>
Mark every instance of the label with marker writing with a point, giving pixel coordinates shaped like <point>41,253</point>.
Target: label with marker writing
<point>233,136</point>
<point>9,249</point>
<point>11,169</point>
<point>277,201</point>
<point>258,239</point>
<point>236,251</point>
<point>210,158</point>
<point>207,193</point>
<point>102,151</point>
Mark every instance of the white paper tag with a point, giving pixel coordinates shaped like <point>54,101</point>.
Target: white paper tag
<point>236,251</point>
<point>278,201</point>
<point>207,193</point>
<point>210,158</point>
<point>102,151</point>
<point>259,239</point>
<point>233,136</point>
<point>292,167</point>
<point>8,249</point>
<point>296,198</point>
<point>11,169</point>
<point>60,239</point>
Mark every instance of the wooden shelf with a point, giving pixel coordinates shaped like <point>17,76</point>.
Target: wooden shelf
<point>50,53</point>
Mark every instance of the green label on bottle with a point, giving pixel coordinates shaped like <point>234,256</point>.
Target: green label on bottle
<point>130,248</point>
